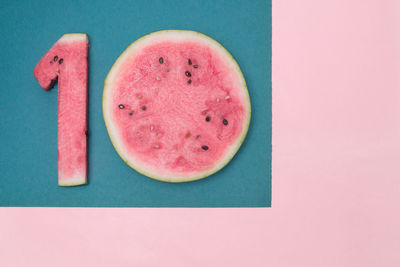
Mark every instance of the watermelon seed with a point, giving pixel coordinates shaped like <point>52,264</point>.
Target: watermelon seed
<point>204,147</point>
<point>217,100</point>
<point>227,97</point>
<point>55,58</point>
<point>195,66</point>
<point>208,118</point>
<point>53,82</point>
<point>140,96</point>
<point>86,133</point>
<point>139,134</point>
<point>167,70</point>
<point>225,121</point>
<point>159,134</point>
<point>130,113</point>
<point>151,128</point>
<point>120,105</point>
<point>197,136</point>
<point>60,61</point>
<point>187,134</point>
<point>190,81</point>
<point>161,60</point>
<point>188,74</point>
<point>158,78</point>
<point>190,62</point>
<point>143,108</point>
<point>156,146</point>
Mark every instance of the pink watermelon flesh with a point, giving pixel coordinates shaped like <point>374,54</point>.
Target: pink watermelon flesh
<point>66,62</point>
<point>179,108</point>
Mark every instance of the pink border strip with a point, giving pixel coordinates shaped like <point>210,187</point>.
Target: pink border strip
<point>336,150</point>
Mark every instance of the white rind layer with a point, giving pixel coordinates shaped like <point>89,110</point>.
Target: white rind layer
<point>73,37</point>
<point>178,35</point>
<point>76,179</point>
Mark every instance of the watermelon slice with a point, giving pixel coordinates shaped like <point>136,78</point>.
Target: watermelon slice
<point>66,62</point>
<point>176,106</point>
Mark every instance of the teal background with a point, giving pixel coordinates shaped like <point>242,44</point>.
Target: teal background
<point>28,120</point>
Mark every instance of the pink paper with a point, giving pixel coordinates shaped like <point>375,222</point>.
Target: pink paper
<point>336,175</point>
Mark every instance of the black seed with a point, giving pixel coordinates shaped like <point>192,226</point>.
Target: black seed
<point>144,107</point>
<point>161,60</point>
<point>60,61</point>
<point>167,70</point>
<point>204,147</point>
<point>197,136</point>
<point>121,106</point>
<point>190,62</point>
<point>208,118</point>
<point>225,121</point>
<point>188,74</point>
<point>195,66</point>
<point>189,81</point>
<point>55,58</point>
<point>130,113</point>
<point>53,82</point>
<point>86,133</point>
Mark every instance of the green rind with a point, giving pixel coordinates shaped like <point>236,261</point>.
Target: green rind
<point>82,180</point>
<point>235,148</point>
<point>73,33</point>
<point>70,185</point>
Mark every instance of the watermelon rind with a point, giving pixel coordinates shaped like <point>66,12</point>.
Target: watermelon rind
<point>74,181</point>
<point>76,36</point>
<point>111,129</point>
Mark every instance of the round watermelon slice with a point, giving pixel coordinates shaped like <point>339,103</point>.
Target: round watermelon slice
<point>176,106</point>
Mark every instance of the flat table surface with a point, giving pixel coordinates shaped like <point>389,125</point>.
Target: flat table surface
<point>28,136</point>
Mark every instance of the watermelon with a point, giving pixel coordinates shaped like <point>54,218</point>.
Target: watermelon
<point>66,62</point>
<point>176,106</point>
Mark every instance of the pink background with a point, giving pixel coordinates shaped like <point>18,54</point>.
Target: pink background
<point>336,158</point>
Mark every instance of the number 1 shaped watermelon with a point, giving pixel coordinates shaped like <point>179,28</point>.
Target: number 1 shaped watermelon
<point>66,63</point>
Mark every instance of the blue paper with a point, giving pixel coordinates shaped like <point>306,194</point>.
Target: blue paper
<point>28,134</point>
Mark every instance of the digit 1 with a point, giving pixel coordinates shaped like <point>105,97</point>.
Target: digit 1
<point>66,62</point>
